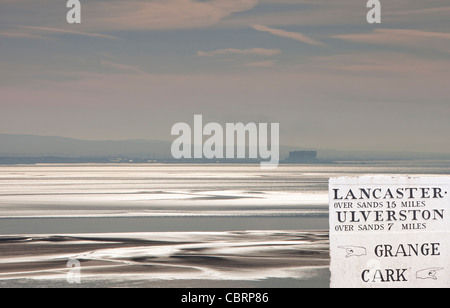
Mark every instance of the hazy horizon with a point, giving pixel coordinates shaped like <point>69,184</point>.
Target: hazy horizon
<point>100,151</point>
<point>169,142</point>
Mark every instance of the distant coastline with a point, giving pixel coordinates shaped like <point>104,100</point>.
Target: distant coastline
<point>33,149</point>
<point>130,160</point>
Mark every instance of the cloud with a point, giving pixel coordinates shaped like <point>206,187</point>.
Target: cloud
<point>262,64</point>
<point>160,14</point>
<point>421,11</point>
<point>291,35</point>
<point>402,37</point>
<point>253,51</point>
<point>104,16</point>
<point>22,35</point>
<point>121,67</point>
<point>31,32</point>
<point>392,36</point>
<point>65,31</point>
<point>246,52</point>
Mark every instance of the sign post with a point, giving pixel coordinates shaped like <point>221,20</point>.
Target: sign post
<point>390,232</point>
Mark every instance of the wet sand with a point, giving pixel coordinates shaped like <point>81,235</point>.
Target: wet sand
<point>171,259</point>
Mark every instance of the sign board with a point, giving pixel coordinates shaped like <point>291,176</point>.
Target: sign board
<point>390,232</point>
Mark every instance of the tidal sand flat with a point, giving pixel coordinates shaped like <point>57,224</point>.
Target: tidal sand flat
<point>166,259</point>
<point>157,225</point>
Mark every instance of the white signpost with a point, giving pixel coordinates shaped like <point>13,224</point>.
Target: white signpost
<point>390,232</point>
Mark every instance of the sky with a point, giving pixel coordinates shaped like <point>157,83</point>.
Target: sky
<point>132,69</point>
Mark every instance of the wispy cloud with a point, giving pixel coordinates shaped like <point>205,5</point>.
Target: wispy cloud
<point>401,37</point>
<point>252,51</point>
<point>291,35</point>
<point>66,31</point>
<point>142,15</point>
<point>442,10</point>
<point>124,68</point>
<point>260,64</point>
<point>23,35</point>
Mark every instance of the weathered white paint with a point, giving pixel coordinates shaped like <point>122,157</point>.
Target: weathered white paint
<point>390,231</point>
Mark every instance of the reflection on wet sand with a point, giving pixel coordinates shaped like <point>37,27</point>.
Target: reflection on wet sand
<point>241,256</point>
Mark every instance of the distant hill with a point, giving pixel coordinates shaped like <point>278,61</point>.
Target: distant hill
<point>36,146</point>
<point>48,146</point>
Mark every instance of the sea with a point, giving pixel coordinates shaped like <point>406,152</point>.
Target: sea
<point>173,225</point>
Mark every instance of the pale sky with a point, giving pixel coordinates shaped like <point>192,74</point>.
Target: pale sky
<point>133,69</point>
